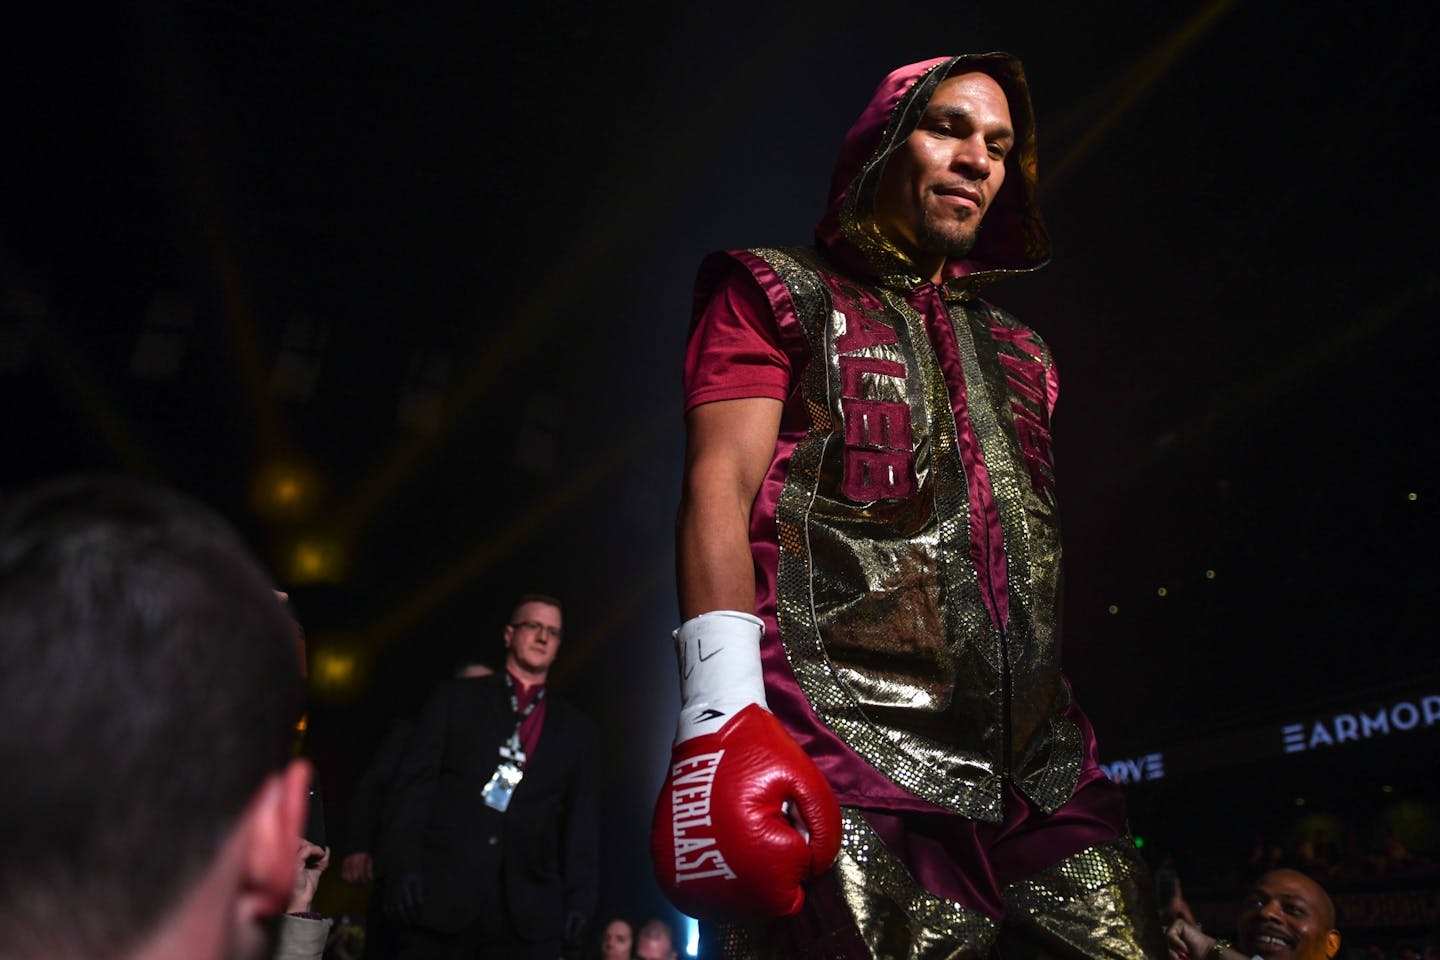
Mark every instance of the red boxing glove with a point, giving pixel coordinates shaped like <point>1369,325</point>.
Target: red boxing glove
<point>745,817</point>
<point>723,844</point>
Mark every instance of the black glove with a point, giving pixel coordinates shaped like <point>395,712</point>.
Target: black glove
<point>574,928</point>
<point>404,895</point>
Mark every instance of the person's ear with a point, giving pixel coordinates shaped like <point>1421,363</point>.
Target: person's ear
<point>1332,944</point>
<point>272,824</point>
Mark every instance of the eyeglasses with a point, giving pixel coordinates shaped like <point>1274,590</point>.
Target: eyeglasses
<point>533,626</point>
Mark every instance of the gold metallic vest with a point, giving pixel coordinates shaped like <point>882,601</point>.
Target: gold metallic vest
<point>881,603</point>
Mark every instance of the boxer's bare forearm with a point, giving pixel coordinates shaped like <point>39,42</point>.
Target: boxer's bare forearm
<point>729,446</point>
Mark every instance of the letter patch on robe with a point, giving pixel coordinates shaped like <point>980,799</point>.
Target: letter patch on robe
<point>879,446</point>
<point>1026,375</point>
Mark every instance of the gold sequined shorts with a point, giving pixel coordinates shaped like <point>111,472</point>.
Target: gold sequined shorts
<point>929,886</point>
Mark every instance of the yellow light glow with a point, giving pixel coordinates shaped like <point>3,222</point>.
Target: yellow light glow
<point>340,667</point>
<point>1162,592</point>
<point>309,559</point>
<point>334,669</point>
<point>285,491</point>
<point>317,559</point>
<point>1209,574</point>
<point>1114,609</point>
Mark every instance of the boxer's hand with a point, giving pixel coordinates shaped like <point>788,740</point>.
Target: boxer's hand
<point>744,817</point>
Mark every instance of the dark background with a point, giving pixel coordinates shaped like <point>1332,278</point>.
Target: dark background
<point>403,290</point>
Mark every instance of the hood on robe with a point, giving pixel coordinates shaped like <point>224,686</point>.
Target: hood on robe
<point>1012,236</point>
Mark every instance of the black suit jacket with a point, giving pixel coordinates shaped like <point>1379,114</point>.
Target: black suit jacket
<point>371,796</point>
<point>539,860</point>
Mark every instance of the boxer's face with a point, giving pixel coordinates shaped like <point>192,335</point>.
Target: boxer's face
<point>937,185</point>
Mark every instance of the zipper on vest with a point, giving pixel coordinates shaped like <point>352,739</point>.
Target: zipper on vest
<point>1005,706</point>
<point>1006,749</point>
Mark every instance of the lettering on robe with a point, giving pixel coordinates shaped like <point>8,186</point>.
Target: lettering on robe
<point>879,462</point>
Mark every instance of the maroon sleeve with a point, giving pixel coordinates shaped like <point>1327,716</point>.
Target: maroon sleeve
<point>734,350</point>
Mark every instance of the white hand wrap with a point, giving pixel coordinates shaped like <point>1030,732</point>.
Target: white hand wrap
<point>720,675</point>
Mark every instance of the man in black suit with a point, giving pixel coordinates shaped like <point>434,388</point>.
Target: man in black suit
<point>369,803</point>
<point>493,848</point>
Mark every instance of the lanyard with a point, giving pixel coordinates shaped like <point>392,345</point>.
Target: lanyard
<point>511,749</point>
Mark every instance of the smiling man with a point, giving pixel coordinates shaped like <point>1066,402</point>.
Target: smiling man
<point>1285,916</point>
<point>877,754</point>
<point>493,847</point>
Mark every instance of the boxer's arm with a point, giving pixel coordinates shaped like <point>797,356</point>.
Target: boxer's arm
<point>728,448</point>
<point>744,818</point>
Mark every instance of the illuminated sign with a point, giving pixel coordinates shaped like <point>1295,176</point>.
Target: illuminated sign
<point>1149,767</point>
<point>1396,717</point>
<point>1416,712</point>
